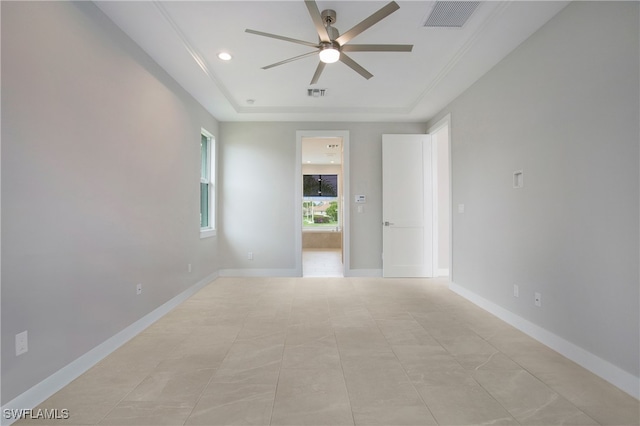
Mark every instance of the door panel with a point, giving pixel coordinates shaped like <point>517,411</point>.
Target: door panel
<point>407,187</point>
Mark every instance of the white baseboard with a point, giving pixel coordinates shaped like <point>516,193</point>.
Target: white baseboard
<point>609,372</point>
<point>52,384</point>
<point>442,272</point>
<point>292,273</point>
<point>260,273</point>
<point>363,273</point>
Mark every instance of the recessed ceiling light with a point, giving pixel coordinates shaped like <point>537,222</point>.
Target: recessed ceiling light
<point>224,56</point>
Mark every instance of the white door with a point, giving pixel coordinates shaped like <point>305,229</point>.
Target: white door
<point>407,206</point>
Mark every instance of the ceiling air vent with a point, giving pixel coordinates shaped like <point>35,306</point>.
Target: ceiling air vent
<point>452,14</point>
<point>316,93</point>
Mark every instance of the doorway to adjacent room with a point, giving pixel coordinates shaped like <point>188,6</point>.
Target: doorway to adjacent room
<point>321,195</point>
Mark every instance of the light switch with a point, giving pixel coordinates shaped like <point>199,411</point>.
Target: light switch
<point>460,208</point>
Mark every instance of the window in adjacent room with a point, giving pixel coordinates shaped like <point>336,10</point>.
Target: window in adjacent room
<point>320,201</point>
<point>207,184</point>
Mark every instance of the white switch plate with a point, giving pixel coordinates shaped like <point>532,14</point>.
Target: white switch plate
<point>516,291</point>
<point>188,267</point>
<point>460,208</point>
<point>250,255</point>
<point>139,289</point>
<point>22,343</point>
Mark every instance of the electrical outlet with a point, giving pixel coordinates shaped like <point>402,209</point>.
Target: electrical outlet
<point>22,343</point>
<point>537,299</point>
<point>139,289</point>
<point>188,267</point>
<point>516,290</point>
<point>250,255</point>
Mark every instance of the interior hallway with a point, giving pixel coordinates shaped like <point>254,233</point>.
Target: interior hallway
<point>337,351</point>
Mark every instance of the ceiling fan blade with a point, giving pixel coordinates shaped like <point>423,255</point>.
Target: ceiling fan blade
<point>319,70</point>
<point>355,66</point>
<point>292,40</point>
<point>295,58</point>
<point>377,48</point>
<point>368,22</point>
<point>317,20</point>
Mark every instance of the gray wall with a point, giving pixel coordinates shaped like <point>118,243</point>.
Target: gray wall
<point>100,172</point>
<point>564,108</point>
<point>257,172</point>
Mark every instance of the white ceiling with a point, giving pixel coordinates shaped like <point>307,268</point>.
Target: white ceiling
<point>185,37</point>
<point>322,151</point>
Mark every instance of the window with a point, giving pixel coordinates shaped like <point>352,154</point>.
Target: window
<point>320,213</point>
<point>320,201</point>
<point>207,185</point>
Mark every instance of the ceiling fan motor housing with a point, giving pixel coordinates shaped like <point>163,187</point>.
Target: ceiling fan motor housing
<point>328,16</point>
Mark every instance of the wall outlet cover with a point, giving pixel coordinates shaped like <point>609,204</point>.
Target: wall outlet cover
<point>537,299</point>
<point>22,343</point>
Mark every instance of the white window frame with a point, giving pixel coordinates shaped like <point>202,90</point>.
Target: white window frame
<point>209,231</point>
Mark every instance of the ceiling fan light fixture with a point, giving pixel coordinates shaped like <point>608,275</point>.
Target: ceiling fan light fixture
<point>329,54</point>
<point>331,44</point>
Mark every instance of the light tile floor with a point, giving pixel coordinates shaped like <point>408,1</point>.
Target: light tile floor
<point>322,263</point>
<point>337,351</point>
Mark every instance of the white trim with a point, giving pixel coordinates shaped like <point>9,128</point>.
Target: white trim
<point>446,121</point>
<point>207,232</point>
<point>598,366</point>
<point>435,206</point>
<point>292,273</point>
<point>52,384</point>
<point>367,273</point>
<point>259,272</point>
<point>345,196</point>
<point>198,58</point>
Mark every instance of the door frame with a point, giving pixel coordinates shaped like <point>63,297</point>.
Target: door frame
<point>344,134</point>
<point>445,122</point>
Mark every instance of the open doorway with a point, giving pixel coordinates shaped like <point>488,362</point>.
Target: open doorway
<point>321,194</point>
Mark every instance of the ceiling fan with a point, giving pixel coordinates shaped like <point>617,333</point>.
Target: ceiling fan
<point>332,46</point>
